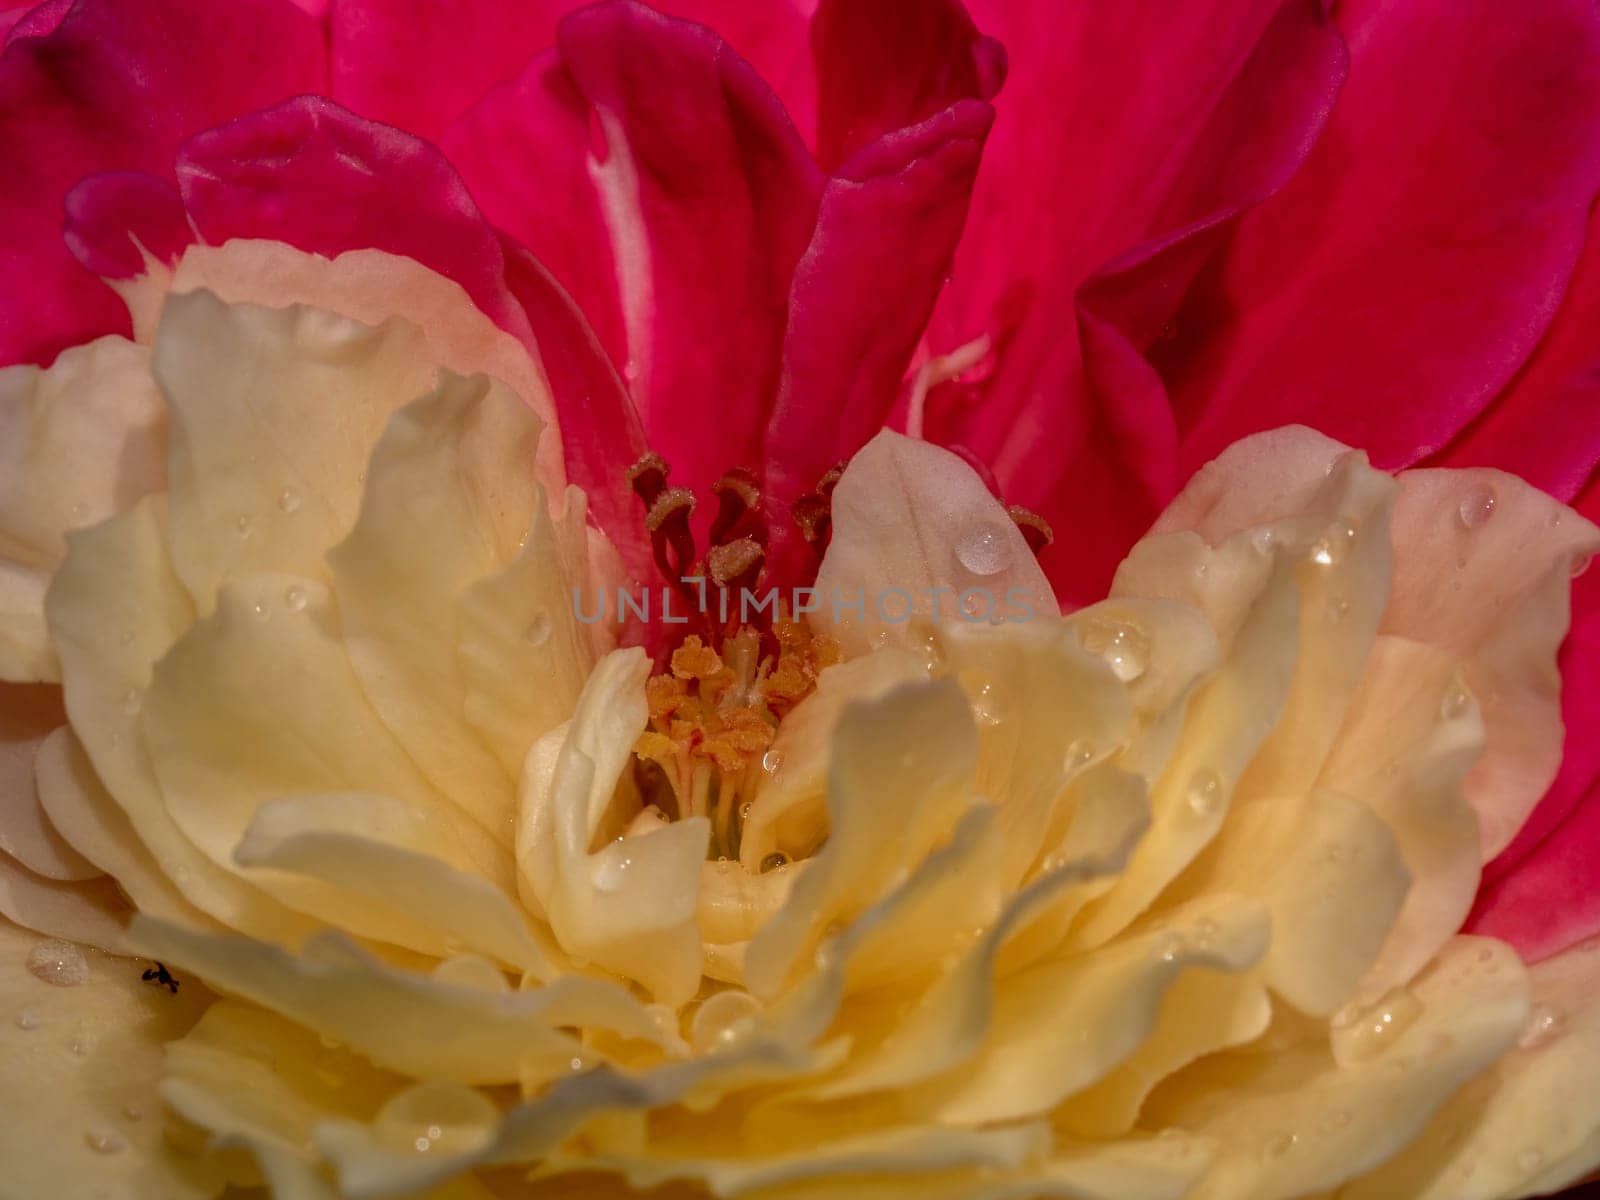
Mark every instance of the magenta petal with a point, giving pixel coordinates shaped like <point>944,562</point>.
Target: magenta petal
<point>1400,280</point>
<point>1093,162</point>
<point>112,217</point>
<point>117,85</point>
<point>886,231</point>
<point>686,198</point>
<point>886,66</point>
<point>316,176</point>
<point>600,431</point>
<point>32,20</point>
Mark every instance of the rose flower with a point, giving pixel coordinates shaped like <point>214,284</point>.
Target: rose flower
<point>590,610</point>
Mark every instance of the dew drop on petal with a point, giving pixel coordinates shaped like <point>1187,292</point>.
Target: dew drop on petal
<point>1530,1160</point>
<point>539,629</point>
<point>1278,1144</point>
<point>1477,506</point>
<point>1543,1025</point>
<point>1457,701</point>
<point>1336,1120</point>
<point>104,1141</point>
<point>1262,541</point>
<point>132,701</point>
<point>442,1117</point>
<point>1360,1033</point>
<point>1122,644</point>
<point>984,548</point>
<point>611,872</point>
<point>1204,793</point>
<point>722,1019</point>
<point>26,1020</point>
<point>289,501</point>
<point>244,525</point>
<point>771,761</point>
<point>774,861</point>
<point>1078,753</point>
<point>59,963</point>
<point>1323,552</point>
<point>295,598</point>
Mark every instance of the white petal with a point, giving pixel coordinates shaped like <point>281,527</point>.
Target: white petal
<point>913,517</point>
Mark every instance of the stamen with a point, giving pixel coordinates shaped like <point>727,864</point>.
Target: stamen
<point>1036,530</point>
<point>668,525</point>
<point>739,508</point>
<point>648,478</point>
<point>813,512</point>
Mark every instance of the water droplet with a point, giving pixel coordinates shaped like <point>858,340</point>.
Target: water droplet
<point>984,549</point>
<point>985,710</point>
<point>471,971</point>
<point>262,611</point>
<point>447,1118</point>
<point>1278,1144</point>
<point>774,861</point>
<point>1477,506</point>
<point>125,638</point>
<point>80,511</point>
<point>1543,1024</point>
<point>289,501</point>
<point>1205,931</point>
<point>104,1141</point>
<point>1324,552</point>
<point>1334,853</point>
<point>1078,753</point>
<point>1122,644</point>
<point>771,761</point>
<point>244,525</point>
<point>611,872</point>
<point>576,1063</point>
<point>1456,703</point>
<point>1170,946</point>
<point>539,629</point>
<point>80,1047</point>
<point>1360,1033</point>
<point>59,963</point>
<point>131,702</point>
<point>1580,564</point>
<point>1336,1120</point>
<point>133,1112</point>
<point>1204,792</point>
<point>1338,609</point>
<point>723,1019</point>
<point>1530,1160</point>
<point>26,1020</point>
<point>1262,541</point>
<point>295,598</point>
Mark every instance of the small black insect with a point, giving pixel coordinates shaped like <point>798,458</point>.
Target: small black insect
<point>161,977</point>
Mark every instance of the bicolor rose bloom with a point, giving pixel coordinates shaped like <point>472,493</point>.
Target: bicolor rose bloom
<point>799,599</point>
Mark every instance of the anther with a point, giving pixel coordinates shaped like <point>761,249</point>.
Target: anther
<point>1036,530</point>
<point>668,525</point>
<point>648,478</point>
<point>737,563</point>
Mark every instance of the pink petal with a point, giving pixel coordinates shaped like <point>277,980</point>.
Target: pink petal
<point>687,199</point>
<point>886,66</point>
<point>420,66</point>
<point>316,176</point>
<point>1133,133</point>
<point>600,431</point>
<point>886,230</point>
<point>117,86</point>
<point>32,20</point>
<point>116,218</point>
<point>1402,277</point>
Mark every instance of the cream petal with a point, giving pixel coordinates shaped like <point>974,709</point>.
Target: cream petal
<point>522,651</point>
<point>1045,708</point>
<point>1202,1012</point>
<point>78,804</point>
<point>398,1018</point>
<point>448,500</point>
<point>628,906</point>
<point>80,1065</point>
<point>79,440</point>
<point>1508,552</point>
<point>273,413</point>
<point>258,702</point>
<point>1228,719</point>
<point>115,607</point>
<point>789,813</point>
<point>1411,734</point>
<point>371,286</point>
<point>380,855</point>
<point>29,713</point>
<point>93,912</point>
<point>1059,1027</point>
<point>912,518</point>
<point>1332,876</point>
<point>1256,481</point>
<point>899,777</point>
<point>1531,1123</point>
<point>1297,1123</point>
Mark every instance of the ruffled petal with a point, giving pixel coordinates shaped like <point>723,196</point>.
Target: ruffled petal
<point>1155,130</point>
<point>680,246</point>
<point>1418,256</point>
<point>87,1058</point>
<point>119,86</point>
